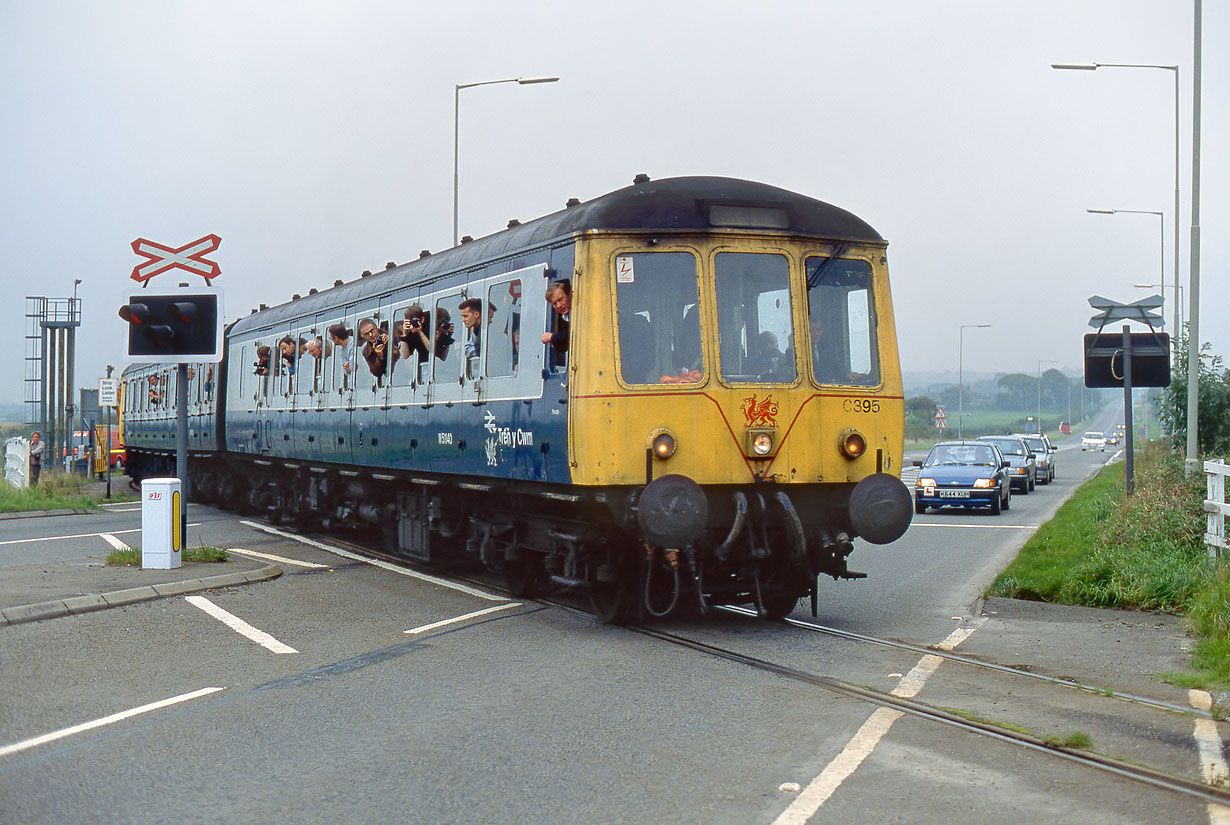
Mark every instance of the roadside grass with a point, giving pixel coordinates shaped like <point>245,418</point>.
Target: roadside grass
<point>132,556</point>
<point>1103,549</point>
<point>55,491</point>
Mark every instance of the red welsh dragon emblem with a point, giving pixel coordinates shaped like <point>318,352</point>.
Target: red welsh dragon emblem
<point>760,414</point>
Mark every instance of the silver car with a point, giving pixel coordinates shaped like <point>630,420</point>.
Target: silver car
<point>1044,454</point>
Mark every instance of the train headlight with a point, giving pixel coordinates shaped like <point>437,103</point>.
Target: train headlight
<point>853,443</point>
<point>663,445</point>
<point>759,442</point>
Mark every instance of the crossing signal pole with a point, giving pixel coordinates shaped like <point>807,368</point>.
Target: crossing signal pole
<point>178,327</point>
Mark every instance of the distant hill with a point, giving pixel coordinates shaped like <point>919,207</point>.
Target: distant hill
<point>13,413</point>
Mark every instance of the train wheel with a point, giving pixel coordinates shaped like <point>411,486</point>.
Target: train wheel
<point>614,601</point>
<point>523,574</point>
<point>777,602</point>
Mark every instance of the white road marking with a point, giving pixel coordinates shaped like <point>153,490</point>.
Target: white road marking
<point>106,720</point>
<point>474,615</point>
<point>975,526</point>
<point>868,736</point>
<point>83,535</point>
<point>346,554</point>
<point>271,557</point>
<point>239,625</point>
<point>1212,764</point>
<point>114,542</point>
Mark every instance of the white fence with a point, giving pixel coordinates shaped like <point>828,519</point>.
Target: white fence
<point>1216,507</point>
<point>17,462</point>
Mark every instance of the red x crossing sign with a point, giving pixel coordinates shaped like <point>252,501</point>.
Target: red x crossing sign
<point>189,257</point>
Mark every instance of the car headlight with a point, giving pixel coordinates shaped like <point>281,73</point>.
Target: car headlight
<point>926,482</point>
<point>984,482</point>
<point>1020,471</point>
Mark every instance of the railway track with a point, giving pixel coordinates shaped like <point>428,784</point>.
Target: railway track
<point>1126,770</point>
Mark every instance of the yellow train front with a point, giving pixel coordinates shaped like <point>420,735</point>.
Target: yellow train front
<point>735,393</point>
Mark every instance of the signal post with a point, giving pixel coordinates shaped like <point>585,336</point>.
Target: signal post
<point>180,327</point>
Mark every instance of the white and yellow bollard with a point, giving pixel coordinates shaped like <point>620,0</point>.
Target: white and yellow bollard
<point>162,544</point>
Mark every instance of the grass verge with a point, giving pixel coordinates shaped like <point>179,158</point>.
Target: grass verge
<point>1146,552</point>
<point>55,491</point>
<point>132,556</point>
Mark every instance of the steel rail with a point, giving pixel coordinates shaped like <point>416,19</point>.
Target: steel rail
<point>1125,770</point>
<point>972,662</point>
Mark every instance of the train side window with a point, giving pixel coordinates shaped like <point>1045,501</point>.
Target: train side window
<point>503,328</point>
<point>658,319</point>
<point>412,336</point>
<point>841,321</point>
<point>447,340</point>
<point>755,327</point>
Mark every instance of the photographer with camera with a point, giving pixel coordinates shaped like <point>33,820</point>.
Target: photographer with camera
<point>414,334</point>
<point>376,351</point>
<point>444,333</point>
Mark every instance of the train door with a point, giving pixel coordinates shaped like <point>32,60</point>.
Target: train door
<point>414,334</point>
<point>509,369</point>
<point>264,390</point>
<point>445,442</point>
<point>196,431</point>
<point>375,348</point>
<point>307,389</point>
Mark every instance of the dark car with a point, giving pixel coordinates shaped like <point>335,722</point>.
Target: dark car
<point>963,474</point>
<point>1022,464</point>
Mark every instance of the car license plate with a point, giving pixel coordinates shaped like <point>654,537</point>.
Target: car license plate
<point>954,493</point>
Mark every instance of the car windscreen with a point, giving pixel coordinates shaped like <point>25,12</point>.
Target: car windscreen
<point>954,455</point>
<point>1010,447</point>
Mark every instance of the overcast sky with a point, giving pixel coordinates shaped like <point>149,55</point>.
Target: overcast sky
<point>316,138</point>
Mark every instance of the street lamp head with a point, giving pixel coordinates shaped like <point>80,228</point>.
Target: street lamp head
<point>1085,67</point>
<point>525,81</point>
<point>1101,211</point>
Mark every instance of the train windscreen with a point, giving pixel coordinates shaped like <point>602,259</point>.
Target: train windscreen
<point>755,331</point>
<point>659,325</point>
<point>841,321</point>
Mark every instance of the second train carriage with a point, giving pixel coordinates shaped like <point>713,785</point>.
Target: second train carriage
<point>726,419</point>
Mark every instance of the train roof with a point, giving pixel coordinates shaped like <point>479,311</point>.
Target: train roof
<point>670,204</point>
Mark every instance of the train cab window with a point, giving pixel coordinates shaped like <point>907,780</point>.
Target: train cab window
<point>841,322</point>
<point>657,315</point>
<point>755,328</point>
<point>448,338</point>
<point>503,328</point>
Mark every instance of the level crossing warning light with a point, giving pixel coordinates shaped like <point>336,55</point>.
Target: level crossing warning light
<point>174,327</point>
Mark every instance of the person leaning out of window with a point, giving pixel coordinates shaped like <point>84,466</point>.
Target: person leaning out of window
<point>559,296</point>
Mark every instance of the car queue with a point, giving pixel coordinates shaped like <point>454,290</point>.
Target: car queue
<point>983,472</point>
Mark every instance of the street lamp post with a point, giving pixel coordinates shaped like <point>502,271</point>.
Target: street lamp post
<point>961,377</point>
<point>1162,236</point>
<point>1040,363</point>
<point>1175,69</point>
<point>523,81</point>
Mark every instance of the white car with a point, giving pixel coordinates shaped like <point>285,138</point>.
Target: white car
<point>1093,441</point>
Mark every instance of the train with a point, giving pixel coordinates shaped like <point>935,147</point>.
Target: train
<point>681,394</point>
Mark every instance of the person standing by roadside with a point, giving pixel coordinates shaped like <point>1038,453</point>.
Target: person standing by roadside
<point>36,457</point>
